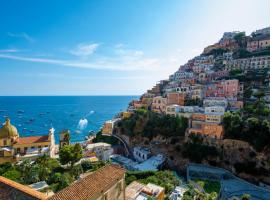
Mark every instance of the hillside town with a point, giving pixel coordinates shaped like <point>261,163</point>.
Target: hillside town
<point>133,157</point>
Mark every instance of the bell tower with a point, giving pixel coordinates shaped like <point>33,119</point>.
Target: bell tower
<point>64,138</point>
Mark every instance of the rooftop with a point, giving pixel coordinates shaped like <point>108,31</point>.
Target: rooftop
<point>92,185</point>
<point>9,189</point>
<point>139,191</point>
<point>33,139</point>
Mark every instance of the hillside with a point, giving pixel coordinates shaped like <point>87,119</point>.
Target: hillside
<point>214,109</point>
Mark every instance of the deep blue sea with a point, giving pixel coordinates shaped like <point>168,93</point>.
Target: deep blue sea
<point>35,115</point>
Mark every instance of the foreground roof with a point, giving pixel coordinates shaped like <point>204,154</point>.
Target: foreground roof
<point>93,185</point>
<point>10,190</point>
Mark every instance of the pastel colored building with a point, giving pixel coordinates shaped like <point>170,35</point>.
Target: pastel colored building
<point>215,101</point>
<point>14,148</point>
<point>172,110</point>
<point>175,98</point>
<point>108,126</point>
<point>102,150</point>
<point>257,43</point>
<point>258,62</point>
<point>208,130</point>
<point>231,87</point>
<point>206,125</point>
<point>159,104</point>
<point>214,110</point>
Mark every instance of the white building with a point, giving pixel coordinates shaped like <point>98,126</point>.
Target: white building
<point>172,110</point>
<point>141,154</point>
<point>102,150</point>
<point>215,101</point>
<point>215,110</point>
<point>151,164</point>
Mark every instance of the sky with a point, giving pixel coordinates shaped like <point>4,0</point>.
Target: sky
<point>105,47</point>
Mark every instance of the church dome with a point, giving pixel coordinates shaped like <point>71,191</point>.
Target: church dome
<point>8,130</point>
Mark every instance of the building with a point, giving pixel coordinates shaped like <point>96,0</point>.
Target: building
<point>225,88</point>
<point>139,191</point>
<point>206,125</point>
<point>102,150</point>
<point>10,190</point>
<point>107,183</point>
<point>264,31</point>
<point>214,110</point>
<point>258,43</point>
<point>215,101</point>
<point>108,126</point>
<point>64,138</point>
<point>151,164</point>
<point>141,154</point>
<point>159,104</point>
<point>251,63</point>
<point>175,98</point>
<point>172,110</point>
<point>14,148</point>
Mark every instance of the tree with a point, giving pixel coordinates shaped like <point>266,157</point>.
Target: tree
<point>77,153</point>
<point>86,165</point>
<point>13,174</point>
<point>77,170</point>
<point>70,154</point>
<point>232,124</point>
<point>65,181</point>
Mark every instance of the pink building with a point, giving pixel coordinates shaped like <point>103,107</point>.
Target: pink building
<point>159,104</point>
<point>226,88</point>
<point>231,87</point>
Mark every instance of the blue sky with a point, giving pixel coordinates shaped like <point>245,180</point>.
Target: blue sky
<point>102,47</point>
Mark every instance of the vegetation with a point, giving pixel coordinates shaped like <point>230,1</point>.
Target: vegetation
<point>196,151</point>
<point>164,179</point>
<point>198,192</point>
<point>47,169</point>
<point>150,124</point>
<point>217,52</point>
<point>193,102</point>
<point>251,124</point>
<point>70,154</point>
<point>209,186</point>
<point>101,138</point>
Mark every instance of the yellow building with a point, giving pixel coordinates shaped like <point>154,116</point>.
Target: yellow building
<point>14,148</point>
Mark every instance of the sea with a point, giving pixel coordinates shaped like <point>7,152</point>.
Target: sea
<point>35,115</point>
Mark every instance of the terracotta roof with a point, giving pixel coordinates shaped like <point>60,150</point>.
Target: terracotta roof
<point>93,185</point>
<point>32,139</point>
<point>9,188</point>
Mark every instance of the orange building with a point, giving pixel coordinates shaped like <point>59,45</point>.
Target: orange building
<point>200,126</point>
<point>176,98</point>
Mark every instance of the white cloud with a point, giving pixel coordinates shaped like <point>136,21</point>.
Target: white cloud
<point>107,63</point>
<point>84,49</point>
<point>22,35</point>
